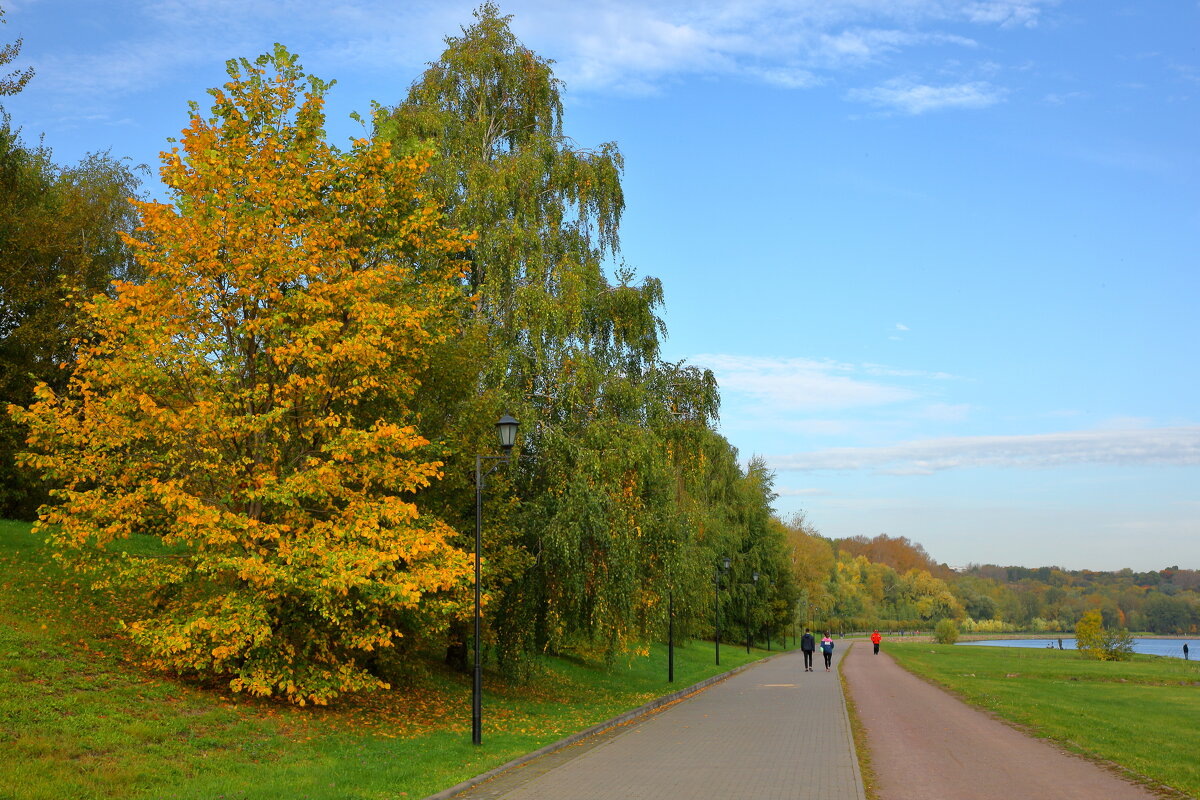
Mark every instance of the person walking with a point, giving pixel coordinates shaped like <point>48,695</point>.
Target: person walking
<point>876,638</point>
<point>808,646</point>
<point>1185,651</point>
<point>827,650</point>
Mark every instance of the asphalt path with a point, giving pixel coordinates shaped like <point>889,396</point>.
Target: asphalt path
<point>927,744</point>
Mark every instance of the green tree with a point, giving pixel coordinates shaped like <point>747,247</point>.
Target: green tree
<point>1165,614</point>
<point>931,596</point>
<point>1117,644</point>
<point>595,537</point>
<point>946,631</point>
<point>61,231</point>
<point>980,607</point>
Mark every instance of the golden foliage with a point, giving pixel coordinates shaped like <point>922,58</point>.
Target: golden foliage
<point>244,409</point>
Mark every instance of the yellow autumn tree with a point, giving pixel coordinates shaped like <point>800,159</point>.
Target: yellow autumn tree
<point>235,442</point>
<point>1089,635</point>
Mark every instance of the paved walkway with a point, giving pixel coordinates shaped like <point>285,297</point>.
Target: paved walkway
<point>772,731</point>
<point>926,743</point>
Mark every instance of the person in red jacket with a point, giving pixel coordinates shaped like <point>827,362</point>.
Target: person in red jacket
<point>875,640</point>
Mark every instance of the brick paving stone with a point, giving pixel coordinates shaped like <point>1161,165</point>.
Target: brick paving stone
<point>770,732</point>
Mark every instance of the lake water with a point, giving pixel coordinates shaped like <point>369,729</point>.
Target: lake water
<point>1154,647</point>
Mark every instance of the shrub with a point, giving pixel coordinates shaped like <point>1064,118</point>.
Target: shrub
<point>1092,640</point>
<point>1117,645</point>
<point>1089,634</point>
<point>986,626</point>
<point>946,632</point>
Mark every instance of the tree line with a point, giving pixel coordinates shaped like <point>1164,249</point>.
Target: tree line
<point>1050,598</point>
<point>255,412</point>
<point>894,584</point>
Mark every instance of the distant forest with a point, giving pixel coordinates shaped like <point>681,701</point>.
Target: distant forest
<point>893,583</point>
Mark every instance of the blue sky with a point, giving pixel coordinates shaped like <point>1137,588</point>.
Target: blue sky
<point>941,255</point>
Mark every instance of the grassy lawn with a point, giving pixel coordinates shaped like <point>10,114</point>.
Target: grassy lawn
<point>1141,714</point>
<point>80,719</point>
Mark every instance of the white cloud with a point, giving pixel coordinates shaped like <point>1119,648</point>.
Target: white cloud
<point>788,77</point>
<point>1005,12</point>
<point>880,370</point>
<point>162,40</point>
<point>598,45</point>
<point>1126,424</point>
<point>799,384</point>
<point>946,412</point>
<point>785,423</point>
<point>117,73</point>
<point>900,326</point>
<point>618,44</point>
<point>1178,446</point>
<point>910,97</point>
<point>1062,98</point>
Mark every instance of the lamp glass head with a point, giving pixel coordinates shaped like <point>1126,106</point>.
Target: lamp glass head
<point>506,428</point>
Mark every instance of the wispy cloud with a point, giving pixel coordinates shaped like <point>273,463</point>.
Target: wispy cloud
<point>619,44</point>
<point>884,371</point>
<point>803,492</point>
<point>1178,446</point>
<point>161,40</point>
<point>598,45</point>
<point>1008,13</point>
<point>782,385</point>
<point>911,97</point>
<point>946,412</point>
<point>1062,98</point>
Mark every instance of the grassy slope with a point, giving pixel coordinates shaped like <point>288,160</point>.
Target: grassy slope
<point>1140,714</point>
<point>79,719</point>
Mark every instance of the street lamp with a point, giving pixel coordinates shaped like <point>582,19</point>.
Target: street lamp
<point>767,627</point>
<point>671,635</point>
<point>717,573</point>
<point>755,578</point>
<point>506,429</point>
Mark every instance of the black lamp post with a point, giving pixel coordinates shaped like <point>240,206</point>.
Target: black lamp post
<point>506,428</point>
<point>767,626</point>
<point>717,573</point>
<point>755,579</point>
<point>671,636</point>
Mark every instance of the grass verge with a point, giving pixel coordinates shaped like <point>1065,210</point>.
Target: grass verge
<point>1139,714</point>
<point>859,732</point>
<point>79,718</point>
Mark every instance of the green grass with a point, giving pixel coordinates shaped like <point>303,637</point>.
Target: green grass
<point>1140,714</point>
<point>80,718</point>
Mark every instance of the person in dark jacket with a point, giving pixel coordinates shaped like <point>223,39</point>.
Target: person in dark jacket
<point>808,645</point>
<point>827,650</point>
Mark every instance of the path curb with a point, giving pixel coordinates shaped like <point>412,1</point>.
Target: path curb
<point>600,727</point>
